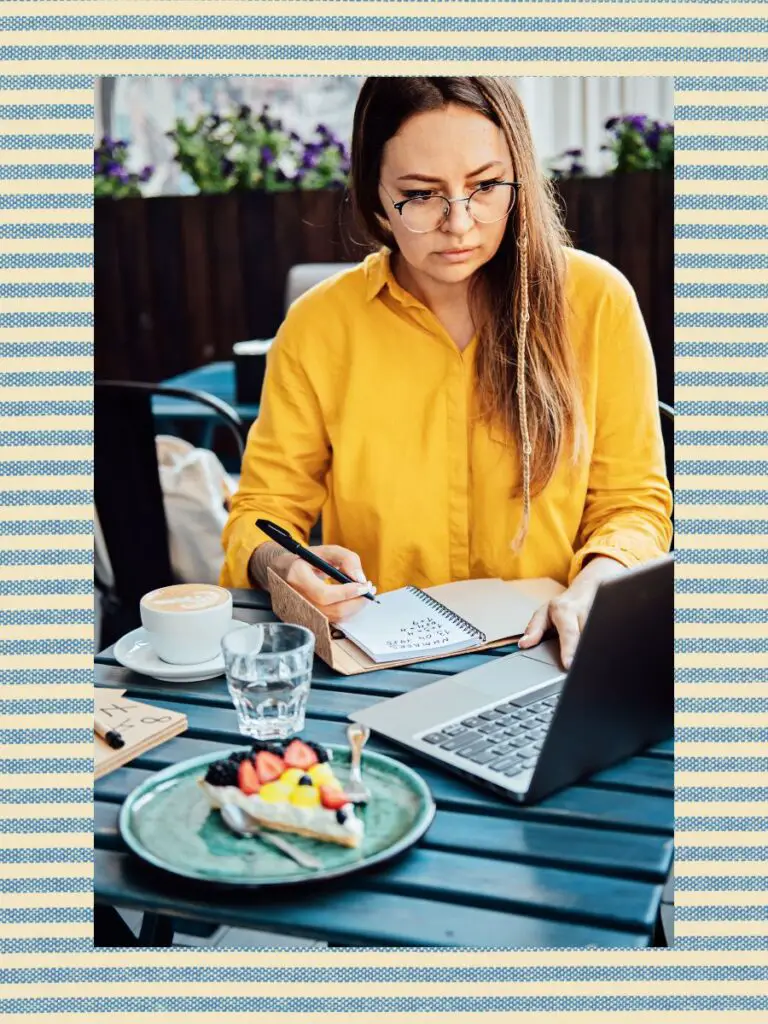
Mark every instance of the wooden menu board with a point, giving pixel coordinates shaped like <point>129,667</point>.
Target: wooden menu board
<point>142,726</point>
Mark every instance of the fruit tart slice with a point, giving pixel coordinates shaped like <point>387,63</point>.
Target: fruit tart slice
<point>289,787</point>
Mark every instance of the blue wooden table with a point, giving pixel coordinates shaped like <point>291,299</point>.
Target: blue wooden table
<point>586,867</point>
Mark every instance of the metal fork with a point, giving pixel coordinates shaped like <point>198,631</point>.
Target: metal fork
<point>355,788</point>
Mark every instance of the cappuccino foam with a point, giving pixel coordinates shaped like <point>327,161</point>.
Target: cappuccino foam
<point>185,597</point>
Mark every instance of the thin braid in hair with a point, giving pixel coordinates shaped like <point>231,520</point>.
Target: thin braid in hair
<point>522,332</point>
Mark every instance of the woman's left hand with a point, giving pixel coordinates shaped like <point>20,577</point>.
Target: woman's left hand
<point>568,612</point>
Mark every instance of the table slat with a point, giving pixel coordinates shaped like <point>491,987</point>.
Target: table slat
<point>528,841</point>
<point>583,805</point>
<point>344,916</point>
<point>511,887</point>
<point>209,702</point>
<point>215,693</point>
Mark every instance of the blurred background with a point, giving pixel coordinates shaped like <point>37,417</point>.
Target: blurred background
<point>206,201</point>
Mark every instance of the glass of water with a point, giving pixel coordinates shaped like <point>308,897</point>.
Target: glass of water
<point>269,669</point>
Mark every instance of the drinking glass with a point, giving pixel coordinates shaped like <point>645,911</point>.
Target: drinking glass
<point>269,668</point>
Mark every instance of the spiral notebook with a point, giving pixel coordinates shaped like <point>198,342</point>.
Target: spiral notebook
<point>412,624</point>
<point>409,623</point>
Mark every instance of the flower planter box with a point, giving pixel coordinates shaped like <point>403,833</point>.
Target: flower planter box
<point>179,279</point>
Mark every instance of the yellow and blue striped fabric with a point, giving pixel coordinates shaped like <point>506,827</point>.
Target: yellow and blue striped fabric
<point>49,55</point>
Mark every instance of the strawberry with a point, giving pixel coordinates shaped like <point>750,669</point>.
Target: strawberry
<point>299,755</point>
<point>269,766</point>
<point>333,798</point>
<point>247,777</point>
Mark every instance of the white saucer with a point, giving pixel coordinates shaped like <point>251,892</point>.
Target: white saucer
<point>134,651</point>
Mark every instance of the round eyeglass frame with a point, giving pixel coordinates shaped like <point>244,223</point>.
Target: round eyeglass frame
<point>448,203</point>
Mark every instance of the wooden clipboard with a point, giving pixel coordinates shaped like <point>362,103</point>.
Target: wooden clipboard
<point>500,609</point>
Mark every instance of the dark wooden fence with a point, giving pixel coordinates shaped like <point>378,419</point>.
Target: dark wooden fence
<point>178,279</point>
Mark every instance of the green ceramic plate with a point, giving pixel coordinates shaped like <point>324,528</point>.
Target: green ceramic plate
<point>168,822</point>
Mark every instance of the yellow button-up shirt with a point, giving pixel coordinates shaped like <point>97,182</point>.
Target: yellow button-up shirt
<point>368,415</point>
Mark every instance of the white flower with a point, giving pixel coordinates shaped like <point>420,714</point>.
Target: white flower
<point>287,164</point>
<point>222,132</point>
<point>237,152</point>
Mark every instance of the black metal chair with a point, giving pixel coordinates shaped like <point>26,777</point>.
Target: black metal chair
<point>667,414</point>
<point>128,496</point>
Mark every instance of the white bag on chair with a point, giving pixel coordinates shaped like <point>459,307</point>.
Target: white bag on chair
<point>196,494</point>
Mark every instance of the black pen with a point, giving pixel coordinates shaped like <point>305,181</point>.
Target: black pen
<point>107,733</point>
<point>285,540</point>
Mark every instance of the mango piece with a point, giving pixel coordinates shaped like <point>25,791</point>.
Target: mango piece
<point>275,792</point>
<point>305,796</point>
<point>321,774</point>
<point>291,776</point>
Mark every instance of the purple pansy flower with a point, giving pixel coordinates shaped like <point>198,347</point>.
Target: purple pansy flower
<point>652,137</point>
<point>636,121</point>
<point>267,155</point>
<point>146,173</point>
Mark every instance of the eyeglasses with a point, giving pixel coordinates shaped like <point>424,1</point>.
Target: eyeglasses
<point>486,204</point>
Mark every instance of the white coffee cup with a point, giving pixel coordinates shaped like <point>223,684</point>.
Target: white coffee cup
<point>185,622</point>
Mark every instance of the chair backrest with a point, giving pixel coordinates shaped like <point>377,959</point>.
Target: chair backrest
<point>129,504</point>
<point>128,495</point>
<point>304,276</point>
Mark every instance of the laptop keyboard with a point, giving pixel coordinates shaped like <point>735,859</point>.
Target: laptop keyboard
<point>506,738</point>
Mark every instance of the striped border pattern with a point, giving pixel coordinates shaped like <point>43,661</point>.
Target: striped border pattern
<point>50,52</point>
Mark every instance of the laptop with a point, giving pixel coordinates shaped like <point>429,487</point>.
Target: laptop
<point>521,726</point>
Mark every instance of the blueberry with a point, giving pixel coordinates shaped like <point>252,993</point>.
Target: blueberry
<point>341,816</point>
<point>305,780</point>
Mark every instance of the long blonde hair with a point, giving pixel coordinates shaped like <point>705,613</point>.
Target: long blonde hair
<point>527,379</point>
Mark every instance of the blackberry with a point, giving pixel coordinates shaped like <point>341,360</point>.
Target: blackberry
<point>238,755</point>
<point>271,748</point>
<point>322,753</point>
<point>305,780</point>
<point>341,816</point>
<point>222,773</point>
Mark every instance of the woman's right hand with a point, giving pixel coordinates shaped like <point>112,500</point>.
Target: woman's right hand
<point>336,601</point>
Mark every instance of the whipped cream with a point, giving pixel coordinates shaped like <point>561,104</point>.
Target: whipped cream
<point>318,819</point>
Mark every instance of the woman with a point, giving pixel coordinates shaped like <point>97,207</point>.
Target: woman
<point>476,399</point>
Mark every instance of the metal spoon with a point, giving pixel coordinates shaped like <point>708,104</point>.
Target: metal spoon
<point>355,788</point>
<point>242,824</point>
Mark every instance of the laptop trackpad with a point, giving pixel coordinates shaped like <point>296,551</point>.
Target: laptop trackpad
<point>506,677</point>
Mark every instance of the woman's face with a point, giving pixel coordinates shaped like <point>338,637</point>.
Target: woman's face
<point>448,152</point>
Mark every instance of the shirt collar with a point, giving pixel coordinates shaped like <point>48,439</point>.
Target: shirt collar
<point>378,273</point>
